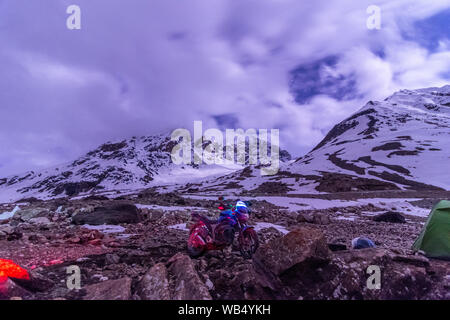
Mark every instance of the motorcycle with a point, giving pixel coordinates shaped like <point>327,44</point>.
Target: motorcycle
<point>208,235</point>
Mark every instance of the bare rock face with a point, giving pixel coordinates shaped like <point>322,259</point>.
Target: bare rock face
<point>347,276</point>
<point>298,253</point>
<point>9,289</point>
<point>119,289</point>
<point>37,282</point>
<point>109,214</point>
<point>27,214</point>
<point>302,245</point>
<point>155,284</point>
<point>5,231</point>
<point>390,216</point>
<point>187,283</point>
<point>314,217</point>
<point>178,280</point>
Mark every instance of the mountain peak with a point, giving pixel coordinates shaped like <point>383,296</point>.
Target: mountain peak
<point>396,144</point>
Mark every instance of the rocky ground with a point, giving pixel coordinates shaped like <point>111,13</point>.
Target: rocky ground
<point>134,247</point>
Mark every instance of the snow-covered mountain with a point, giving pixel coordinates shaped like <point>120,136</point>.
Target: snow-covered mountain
<point>130,164</point>
<point>402,142</point>
<point>114,164</point>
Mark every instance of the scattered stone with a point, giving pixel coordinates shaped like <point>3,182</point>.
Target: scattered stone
<point>36,283</point>
<point>337,246</point>
<point>311,262</point>
<point>15,235</point>
<point>112,258</point>
<point>313,217</point>
<point>27,214</point>
<point>10,289</point>
<point>39,221</point>
<point>187,283</point>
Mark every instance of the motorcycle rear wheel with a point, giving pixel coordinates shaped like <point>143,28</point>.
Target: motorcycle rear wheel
<point>195,250</point>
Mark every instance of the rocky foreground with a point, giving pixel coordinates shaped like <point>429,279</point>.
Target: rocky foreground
<point>134,247</point>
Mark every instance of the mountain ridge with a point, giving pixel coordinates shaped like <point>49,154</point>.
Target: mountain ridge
<point>133,163</point>
<point>399,143</point>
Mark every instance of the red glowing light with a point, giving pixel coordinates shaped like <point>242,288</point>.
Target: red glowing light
<point>8,269</point>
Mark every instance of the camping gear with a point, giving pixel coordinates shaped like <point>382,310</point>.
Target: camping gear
<point>362,243</point>
<point>434,239</point>
<point>208,235</point>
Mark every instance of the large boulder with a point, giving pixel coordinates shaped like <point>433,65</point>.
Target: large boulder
<point>300,252</point>
<point>390,216</point>
<point>348,276</point>
<point>111,214</point>
<point>187,283</point>
<point>27,214</point>
<point>298,246</point>
<point>155,284</point>
<point>119,289</point>
<point>40,221</point>
<point>184,284</point>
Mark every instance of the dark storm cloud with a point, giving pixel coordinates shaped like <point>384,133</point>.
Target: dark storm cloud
<point>138,67</point>
<point>319,77</point>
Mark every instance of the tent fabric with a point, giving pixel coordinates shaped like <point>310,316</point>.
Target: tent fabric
<point>434,239</point>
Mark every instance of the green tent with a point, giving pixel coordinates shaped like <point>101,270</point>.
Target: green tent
<point>434,239</point>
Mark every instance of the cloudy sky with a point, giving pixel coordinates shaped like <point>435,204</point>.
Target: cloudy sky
<point>139,67</point>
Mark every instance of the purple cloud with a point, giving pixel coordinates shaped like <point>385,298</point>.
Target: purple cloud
<point>140,67</point>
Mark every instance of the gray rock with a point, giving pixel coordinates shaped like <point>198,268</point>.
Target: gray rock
<point>302,245</point>
<point>119,289</point>
<point>6,229</point>
<point>37,282</point>
<point>40,221</point>
<point>10,289</point>
<point>313,217</point>
<point>112,258</point>
<point>390,216</point>
<point>112,214</point>
<point>283,260</point>
<point>155,284</point>
<point>187,283</point>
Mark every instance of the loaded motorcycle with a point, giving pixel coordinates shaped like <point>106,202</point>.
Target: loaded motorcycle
<point>208,234</point>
